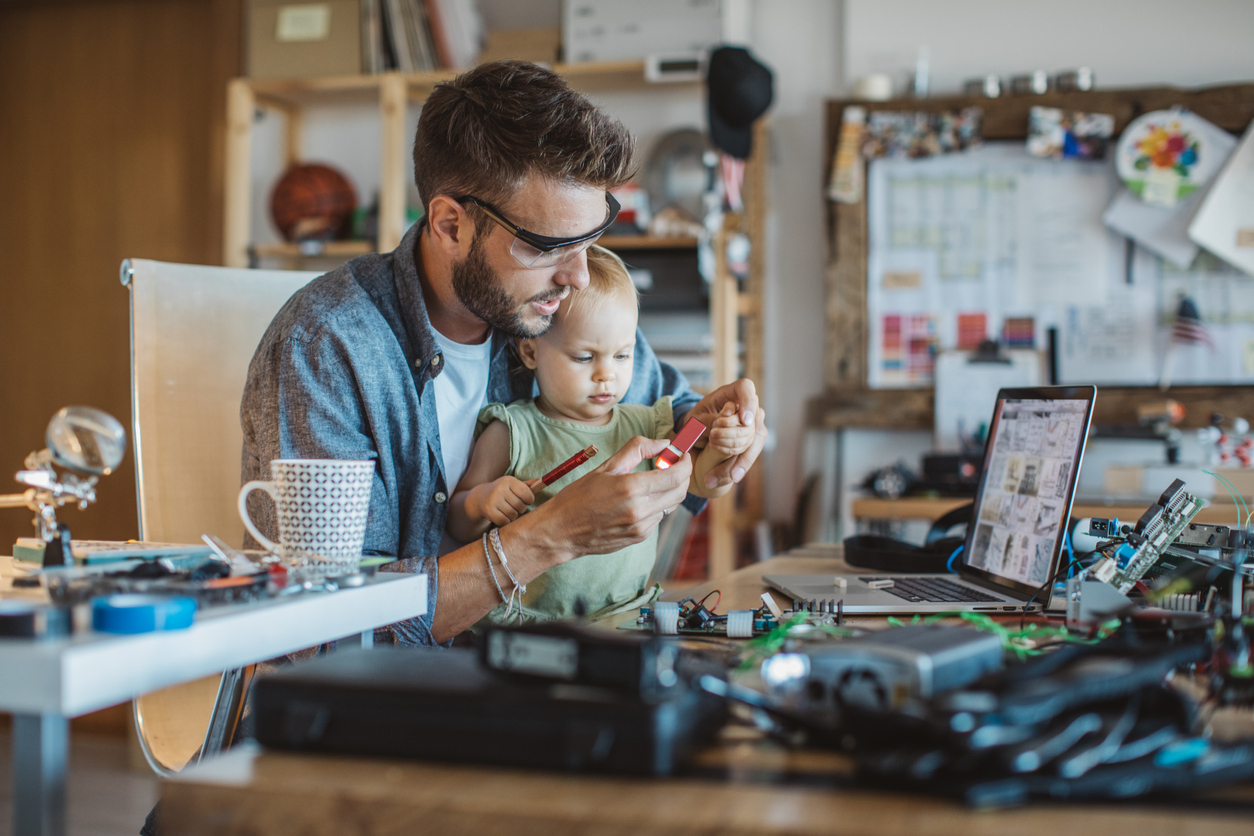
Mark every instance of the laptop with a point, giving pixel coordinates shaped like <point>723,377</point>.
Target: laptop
<point>1028,480</point>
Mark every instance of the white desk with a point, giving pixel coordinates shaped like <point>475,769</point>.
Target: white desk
<point>43,683</point>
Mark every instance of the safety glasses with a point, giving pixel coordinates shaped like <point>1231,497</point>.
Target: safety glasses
<point>532,250</point>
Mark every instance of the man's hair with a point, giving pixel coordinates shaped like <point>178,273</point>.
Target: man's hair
<point>486,131</point>
<point>608,281</point>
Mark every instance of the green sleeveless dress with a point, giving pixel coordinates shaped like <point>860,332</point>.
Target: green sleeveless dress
<point>606,583</point>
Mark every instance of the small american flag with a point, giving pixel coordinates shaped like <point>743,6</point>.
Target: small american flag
<point>1188,329</point>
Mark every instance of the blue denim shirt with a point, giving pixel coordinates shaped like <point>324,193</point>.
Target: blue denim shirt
<point>346,371</point>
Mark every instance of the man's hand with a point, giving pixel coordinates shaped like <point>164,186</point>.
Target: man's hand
<point>744,395</point>
<point>499,501</point>
<point>611,507</point>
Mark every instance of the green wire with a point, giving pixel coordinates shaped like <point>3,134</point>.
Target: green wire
<point>1023,643</point>
<point>1236,497</point>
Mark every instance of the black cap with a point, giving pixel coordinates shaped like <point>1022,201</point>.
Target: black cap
<point>739,90</point>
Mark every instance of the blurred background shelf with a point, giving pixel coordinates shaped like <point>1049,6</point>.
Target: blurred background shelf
<point>646,242</point>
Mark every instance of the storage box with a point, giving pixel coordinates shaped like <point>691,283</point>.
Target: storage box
<point>611,30</point>
<point>303,38</point>
<point>539,45</point>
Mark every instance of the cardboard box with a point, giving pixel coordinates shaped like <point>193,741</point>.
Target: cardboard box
<point>611,30</point>
<point>539,45</point>
<point>303,38</point>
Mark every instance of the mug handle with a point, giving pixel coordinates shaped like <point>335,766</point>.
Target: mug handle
<point>269,488</point>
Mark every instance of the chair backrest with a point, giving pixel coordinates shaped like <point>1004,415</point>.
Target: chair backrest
<point>194,330</point>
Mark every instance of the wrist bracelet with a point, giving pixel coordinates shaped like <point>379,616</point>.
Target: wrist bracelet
<point>500,553</point>
<point>488,555</point>
<point>518,588</point>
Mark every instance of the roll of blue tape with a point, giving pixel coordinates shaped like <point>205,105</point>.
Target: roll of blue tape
<point>29,620</point>
<point>142,613</point>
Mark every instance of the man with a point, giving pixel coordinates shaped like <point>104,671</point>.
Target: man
<point>391,356</point>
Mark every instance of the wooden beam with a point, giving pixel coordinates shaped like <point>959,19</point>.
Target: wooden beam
<point>237,197</point>
<point>911,409</point>
<point>392,102</point>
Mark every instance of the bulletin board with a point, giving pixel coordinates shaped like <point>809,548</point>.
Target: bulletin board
<point>852,365</point>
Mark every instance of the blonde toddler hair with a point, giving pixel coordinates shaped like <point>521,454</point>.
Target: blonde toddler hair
<point>608,281</point>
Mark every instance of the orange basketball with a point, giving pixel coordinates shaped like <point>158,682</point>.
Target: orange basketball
<point>313,201</point>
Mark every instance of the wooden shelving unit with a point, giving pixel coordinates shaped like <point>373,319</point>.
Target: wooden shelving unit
<point>735,305</point>
<point>646,242</point>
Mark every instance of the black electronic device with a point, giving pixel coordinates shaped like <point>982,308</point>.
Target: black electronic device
<point>650,667</point>
<point>952,474</point>
<point>444,705</point>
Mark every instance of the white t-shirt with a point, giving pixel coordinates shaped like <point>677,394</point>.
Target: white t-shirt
<point>461,390</point>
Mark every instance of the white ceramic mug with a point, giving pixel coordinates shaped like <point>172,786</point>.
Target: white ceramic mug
<point>322,506</point>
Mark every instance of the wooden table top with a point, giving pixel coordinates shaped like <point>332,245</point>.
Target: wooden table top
<point>742,785</point>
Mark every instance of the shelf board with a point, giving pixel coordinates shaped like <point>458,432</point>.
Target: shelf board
<point>646,242</point>
<point>329,249</point>
<point>290,93</point>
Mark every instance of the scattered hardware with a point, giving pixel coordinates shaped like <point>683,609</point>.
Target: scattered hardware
<point>887,669</point>
<point>445,705</point>
<point>1154,532</point>
<point>645,666</point>
<point>690,617</point>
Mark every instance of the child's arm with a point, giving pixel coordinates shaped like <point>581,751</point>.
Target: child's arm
<point>485,496</point>
<point>727,438</point>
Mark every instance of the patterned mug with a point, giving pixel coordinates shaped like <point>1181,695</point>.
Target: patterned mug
<point>322,506</point>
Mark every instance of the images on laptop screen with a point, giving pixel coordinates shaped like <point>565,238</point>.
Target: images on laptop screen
<point>1029,471</point>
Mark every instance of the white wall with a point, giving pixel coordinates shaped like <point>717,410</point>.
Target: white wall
<point>1125,42</point>
<point>801,41</point>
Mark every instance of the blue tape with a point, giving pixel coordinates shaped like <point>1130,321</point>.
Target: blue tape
<point>142,613</point>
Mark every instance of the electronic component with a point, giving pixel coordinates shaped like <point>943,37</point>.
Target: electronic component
<point>648,667</point>
<point>1205,536</point>
<point>31,620</point>
<point>1104,528</point>
<point>882,671</point>
<point>444,705</point>
<point>1155,531</point>
<point>569,465</point>
<point>680,444</point>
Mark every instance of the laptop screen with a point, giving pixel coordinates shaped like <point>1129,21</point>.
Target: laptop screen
<point>1031,462</point>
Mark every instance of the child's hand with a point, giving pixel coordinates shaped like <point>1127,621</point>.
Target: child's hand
<point>499,501</point>
<point>728,435</point>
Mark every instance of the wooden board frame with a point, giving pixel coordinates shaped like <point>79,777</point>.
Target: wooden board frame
<point>848,402</point>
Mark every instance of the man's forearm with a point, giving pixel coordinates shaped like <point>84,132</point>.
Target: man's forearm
<point>467,591</point>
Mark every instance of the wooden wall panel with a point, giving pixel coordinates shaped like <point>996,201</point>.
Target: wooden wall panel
<point>111,126</point>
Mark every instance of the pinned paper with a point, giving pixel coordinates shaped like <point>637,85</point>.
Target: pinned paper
<point>1163,229</point>
<point>1225,223</point>
<point>1067,134</point>
<point>1166,155</point>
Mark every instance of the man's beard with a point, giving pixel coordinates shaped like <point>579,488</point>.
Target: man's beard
<point>479,289</point>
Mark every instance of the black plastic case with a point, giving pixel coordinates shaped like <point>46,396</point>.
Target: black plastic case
<point>443,705</point>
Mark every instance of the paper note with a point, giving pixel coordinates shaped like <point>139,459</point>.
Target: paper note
<point>1226,218</point>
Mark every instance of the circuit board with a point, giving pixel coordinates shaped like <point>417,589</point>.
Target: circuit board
<point>692,618</point>
<point>1155,532</point>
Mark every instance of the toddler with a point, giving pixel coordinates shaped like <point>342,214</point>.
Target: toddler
<point>582,366</point>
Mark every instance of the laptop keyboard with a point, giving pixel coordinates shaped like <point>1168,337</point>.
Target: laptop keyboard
<point>937,590</point>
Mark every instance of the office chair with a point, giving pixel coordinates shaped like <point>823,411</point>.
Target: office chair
<point>193,333</point>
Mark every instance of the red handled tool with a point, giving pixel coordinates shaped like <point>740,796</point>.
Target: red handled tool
<point>680,444</point>
<point>569,465</point>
